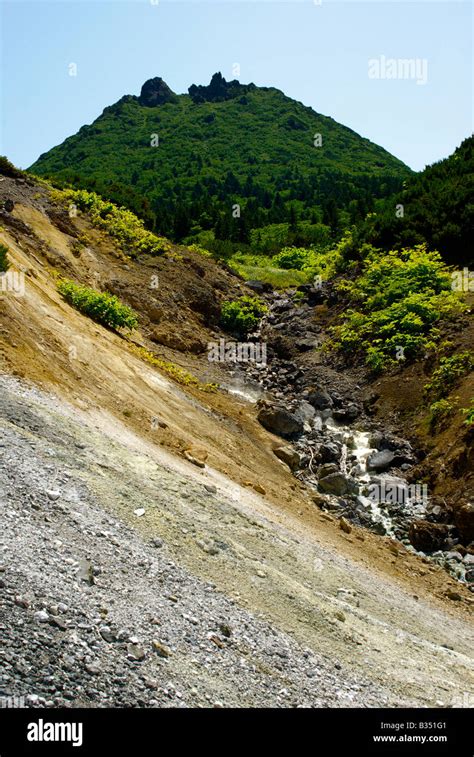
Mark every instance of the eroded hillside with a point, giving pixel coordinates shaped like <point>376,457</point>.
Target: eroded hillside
<point>145,574</point>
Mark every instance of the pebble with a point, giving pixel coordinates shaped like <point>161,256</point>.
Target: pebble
<point>41,616</point>
<point>160,649</point>
<point>106,633</point>
<point>135,652</point>
<point>93,668</point>
<point>345,526</point>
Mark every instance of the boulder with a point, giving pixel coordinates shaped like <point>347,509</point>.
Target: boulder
<point>320,399</point>
<point>337,483</point>
<point>381,461</point>
<point>329,452</point>
<point>426,536</point>
<point>383,441</point>
<point>258,286</point>
<point>281,306</point>
<point>346,414</point>
<point>304,412</point>
<point>307,343</point>
<point>464,521</point>
<point>327,469</point>
<point>280,346</point>
<point>315,296</point>
<point>289,456</point>
<point>160,649</point>
<point>197,456</point>
<point>281,422</point>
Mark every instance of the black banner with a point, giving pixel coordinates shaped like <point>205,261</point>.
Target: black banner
<point>112,732</point>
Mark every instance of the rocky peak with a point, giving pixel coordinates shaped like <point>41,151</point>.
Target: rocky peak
<point>156,92</point>
<point>218,90</point>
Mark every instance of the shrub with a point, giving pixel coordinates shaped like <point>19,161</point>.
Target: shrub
<point>4,264</point>
<point>243,315</point>
<point>292,258</point>
<point>120,223</point>
<point>469,413</point>
<point>102,307</point>
<point>449,372</point>
<point>439,413</point>
<point>400,299</point>
<point>195,247</point>
<point>8,169</point>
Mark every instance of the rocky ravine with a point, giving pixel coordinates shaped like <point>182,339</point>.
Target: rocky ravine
<point>363,470</point>
<point>126,577</point>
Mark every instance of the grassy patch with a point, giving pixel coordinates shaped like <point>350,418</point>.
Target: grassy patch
<point>291,267</point>
<point>119,222</point>
<point>178,374</point>
<point>102,307</point>
<point>278,278</point>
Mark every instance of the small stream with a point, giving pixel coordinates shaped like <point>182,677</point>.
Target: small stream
<point>352,461</point>
<point>338,460</point>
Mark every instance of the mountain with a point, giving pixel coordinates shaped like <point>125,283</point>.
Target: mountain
<point>438,208</point>
<point>184,162</point>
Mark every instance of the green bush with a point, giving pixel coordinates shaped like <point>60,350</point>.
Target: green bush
<point>102,307</point>
<point>8,169</point>
<point>4,264</point>
<point>400,299</point>
<point>469,413</point>
<point>439,413</point>
<point>243,315</point>
<point>292,258</point>
<point>450,370</point>
<point>195,247</point>
<point>120,223</point>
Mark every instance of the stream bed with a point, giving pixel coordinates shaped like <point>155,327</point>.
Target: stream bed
<point>358,471</point>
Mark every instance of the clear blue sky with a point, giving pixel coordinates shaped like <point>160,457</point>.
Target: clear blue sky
<point>317,54</point>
